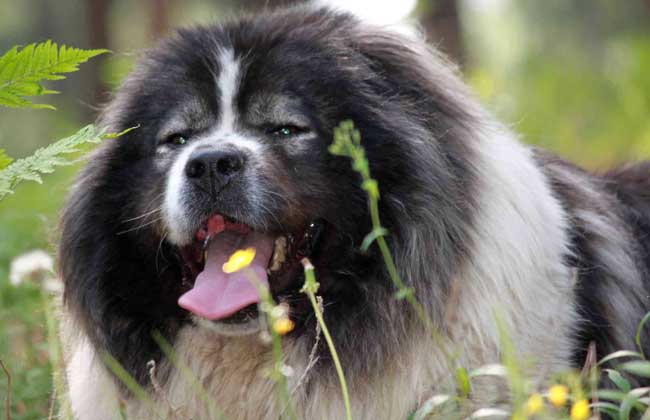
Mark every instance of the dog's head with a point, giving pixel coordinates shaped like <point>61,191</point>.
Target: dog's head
<point>231,151</point>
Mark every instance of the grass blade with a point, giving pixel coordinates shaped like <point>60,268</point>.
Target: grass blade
<point>310,288</point>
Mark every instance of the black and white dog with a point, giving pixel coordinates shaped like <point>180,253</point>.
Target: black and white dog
<point>234,123</point>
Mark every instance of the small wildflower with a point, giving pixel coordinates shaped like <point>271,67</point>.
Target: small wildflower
<point>35,266</point>
<point>283,326</point>
<point>534,405</point>
<point>238,260</point>
<point>286,371</point>
<point>580,410</point>
<point>558,395</point>
<point>280,311</point>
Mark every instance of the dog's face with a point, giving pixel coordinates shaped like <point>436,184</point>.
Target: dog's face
<point>231,151</point>
<point>234,135</point>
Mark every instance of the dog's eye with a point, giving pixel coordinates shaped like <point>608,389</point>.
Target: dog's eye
<point>287,130</point>
<point>176,139</point>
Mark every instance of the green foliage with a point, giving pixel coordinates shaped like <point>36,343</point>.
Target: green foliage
<point>32,362</point>
<point>21,74</point>
<point>5,160</point>
<point>590,110</point>
<point>639,331</point>
<point>21,71</point>
<point>45,159</point>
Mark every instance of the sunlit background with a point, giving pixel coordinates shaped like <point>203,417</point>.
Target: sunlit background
<point>572,76</point>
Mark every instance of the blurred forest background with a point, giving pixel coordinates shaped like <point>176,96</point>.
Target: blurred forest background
<point>572,76</point>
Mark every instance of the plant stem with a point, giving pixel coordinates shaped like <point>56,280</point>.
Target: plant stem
<point>267,304</point>
<point>8,398</point>
<point>310,288</point>
<point>392,268</point>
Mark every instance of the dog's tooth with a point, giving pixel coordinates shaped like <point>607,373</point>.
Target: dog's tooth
<point>279,253</point>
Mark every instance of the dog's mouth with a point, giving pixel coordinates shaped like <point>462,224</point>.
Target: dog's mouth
<point>231,298</point>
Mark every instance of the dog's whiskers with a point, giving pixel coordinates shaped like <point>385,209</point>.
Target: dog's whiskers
<point>159,252</point>
<point>140,226</point>
<point>142,215</point>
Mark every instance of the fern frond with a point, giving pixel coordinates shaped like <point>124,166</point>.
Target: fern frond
<point>5,160</point>
<point>21,71</point>
<point>45,159</point>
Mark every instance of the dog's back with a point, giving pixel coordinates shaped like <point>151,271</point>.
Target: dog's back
<point>610,240</point>
<point>631,185</point>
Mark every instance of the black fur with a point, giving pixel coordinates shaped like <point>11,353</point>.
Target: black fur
<point>624,202</point>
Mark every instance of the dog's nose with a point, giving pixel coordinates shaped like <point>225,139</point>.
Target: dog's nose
<point>214,166</point>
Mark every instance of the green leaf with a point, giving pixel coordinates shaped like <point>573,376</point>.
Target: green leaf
<point>5,160</point>
<point>45,159</point>
<point>609,408</point>
<point>637,367</point>
<point>610,394</point>
<point>108,136</point>
<point>429,406</point>
<point>491,413</point>
<point>371,187</point>
<point>619,354</point>
<point>639,330</point>
<point>494,369</point>
<point>404,293</point>
<point>630,402</point>
<point>22,71</point>
<point>618,379</point>
<point>371,237</point>
<point>462,379</point>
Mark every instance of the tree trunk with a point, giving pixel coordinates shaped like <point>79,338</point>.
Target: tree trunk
<point>158,11</point>
<point>95,89</point>
<point>441,23</point>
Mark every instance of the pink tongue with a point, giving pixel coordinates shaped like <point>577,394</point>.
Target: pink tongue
<point>216,294</point>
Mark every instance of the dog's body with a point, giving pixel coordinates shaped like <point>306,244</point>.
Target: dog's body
<point>234,123</point>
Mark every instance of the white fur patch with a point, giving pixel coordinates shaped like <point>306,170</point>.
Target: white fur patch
<point>93,394</point>
<point>228,83</point>
<point>517,270</point>
<point>174,211</point>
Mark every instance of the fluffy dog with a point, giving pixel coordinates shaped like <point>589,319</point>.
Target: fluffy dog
<point>231,150</point>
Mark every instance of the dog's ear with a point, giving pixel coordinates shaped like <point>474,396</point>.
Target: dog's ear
<point>113,288</point>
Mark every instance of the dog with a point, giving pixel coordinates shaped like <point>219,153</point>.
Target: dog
<point>230,150</point>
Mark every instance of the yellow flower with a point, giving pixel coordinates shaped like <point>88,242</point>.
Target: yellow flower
<point>283,326</point>
<point>558,395</point>
<point>238,260</point>
<point>580,410</point>
<point>534,405</point>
